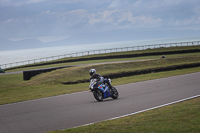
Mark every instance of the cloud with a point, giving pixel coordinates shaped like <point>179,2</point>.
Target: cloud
<point>115,4</point>
<point>102,17</point>
<point>19,2</point>
<point>68,1</point>
<point>65,17</point>
<point>123,19</point>
<point>11,2</point>
<point>197,9</point>
<point>35,1</point>
<point>68,18</point>
<point>191,23</point>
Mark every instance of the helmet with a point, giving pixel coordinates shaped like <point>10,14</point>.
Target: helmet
<point>92,71</point>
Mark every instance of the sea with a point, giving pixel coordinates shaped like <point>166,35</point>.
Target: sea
<point>13,56</point>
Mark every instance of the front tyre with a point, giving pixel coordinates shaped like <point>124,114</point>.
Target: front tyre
<point>98,95</point>
<point>114,93</point>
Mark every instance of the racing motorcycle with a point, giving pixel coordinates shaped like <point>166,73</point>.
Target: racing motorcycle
<point>102,91</point>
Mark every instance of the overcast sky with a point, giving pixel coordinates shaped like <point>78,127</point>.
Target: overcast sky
<point>50,20</point>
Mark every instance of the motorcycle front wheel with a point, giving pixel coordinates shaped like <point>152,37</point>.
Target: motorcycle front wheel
<point>98,95</point>
<point>114,93</point>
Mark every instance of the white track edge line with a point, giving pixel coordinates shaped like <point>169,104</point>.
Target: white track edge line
<point>178,101</point>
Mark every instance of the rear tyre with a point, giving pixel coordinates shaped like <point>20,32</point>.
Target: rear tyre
<point>98,95</point>
<point>114,93</point>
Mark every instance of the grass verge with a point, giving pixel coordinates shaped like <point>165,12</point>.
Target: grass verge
<point>182,117</point>
<point>14,89</point>
<point>80,73</point>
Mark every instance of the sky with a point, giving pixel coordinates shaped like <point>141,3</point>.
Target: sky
<point>96,20</point>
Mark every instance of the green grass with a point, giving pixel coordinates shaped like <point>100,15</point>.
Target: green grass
<point>17,90</point>
<point>182,117</point>
<point>80,73</point>
<point>14,89</point>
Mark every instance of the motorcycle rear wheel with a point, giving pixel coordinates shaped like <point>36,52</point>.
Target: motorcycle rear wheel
<point>98,95</point>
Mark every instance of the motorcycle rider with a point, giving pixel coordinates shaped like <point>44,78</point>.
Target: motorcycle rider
<point>99,78</point>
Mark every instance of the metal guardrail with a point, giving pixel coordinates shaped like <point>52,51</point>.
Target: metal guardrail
<point>101,51</point>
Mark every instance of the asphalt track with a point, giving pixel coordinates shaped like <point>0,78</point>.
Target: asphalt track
<point>71,110</point>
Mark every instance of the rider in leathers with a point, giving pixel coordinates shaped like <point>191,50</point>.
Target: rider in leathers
<point>99,78</point>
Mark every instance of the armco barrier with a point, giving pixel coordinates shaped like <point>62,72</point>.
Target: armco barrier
<point>115,56</point>
<point>92,52</point>
<point>27,75</point>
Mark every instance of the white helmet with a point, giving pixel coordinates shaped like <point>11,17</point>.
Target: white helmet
<point>92,71</point>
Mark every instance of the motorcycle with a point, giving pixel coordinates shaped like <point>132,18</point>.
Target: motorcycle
<point>102,91</point>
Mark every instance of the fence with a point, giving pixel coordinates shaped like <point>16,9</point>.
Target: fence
<point>101,51</point>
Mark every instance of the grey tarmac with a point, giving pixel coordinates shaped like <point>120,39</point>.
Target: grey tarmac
<point>72,110</point>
